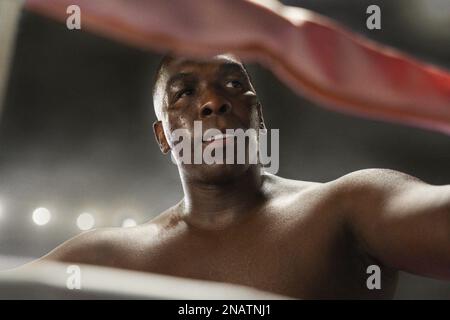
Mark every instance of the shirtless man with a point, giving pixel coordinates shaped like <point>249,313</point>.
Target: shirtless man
<point>236,224</point>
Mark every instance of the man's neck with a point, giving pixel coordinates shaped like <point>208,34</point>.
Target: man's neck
<point>217,206</point>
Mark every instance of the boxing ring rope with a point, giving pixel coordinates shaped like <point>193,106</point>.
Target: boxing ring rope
<point>50,280</point>
<point>312,54</point>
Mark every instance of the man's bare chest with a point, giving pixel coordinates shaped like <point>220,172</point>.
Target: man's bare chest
<point>275,259</point>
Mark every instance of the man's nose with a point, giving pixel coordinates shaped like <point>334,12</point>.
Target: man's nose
<point>214,105</point>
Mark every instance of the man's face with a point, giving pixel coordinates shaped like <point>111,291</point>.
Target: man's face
<point>216,92</point>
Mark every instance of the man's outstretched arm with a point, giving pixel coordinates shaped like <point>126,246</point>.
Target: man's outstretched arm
<point>400,220</point>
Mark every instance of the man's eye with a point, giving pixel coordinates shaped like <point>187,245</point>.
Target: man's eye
<point>183,93</point>
<point>234,84</point>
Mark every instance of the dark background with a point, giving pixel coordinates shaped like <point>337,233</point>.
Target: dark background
<point>76,135</point>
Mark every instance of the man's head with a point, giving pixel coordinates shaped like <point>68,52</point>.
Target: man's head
<point>218,92</point>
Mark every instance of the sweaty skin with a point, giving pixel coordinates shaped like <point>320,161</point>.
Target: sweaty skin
<point>236,224</point>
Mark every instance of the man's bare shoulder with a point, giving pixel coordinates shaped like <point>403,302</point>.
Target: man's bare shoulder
<point>362,193</point>
<point>335,195</point>
<point>375,181</point>
<point>370,176</point>
<point>105,246</point>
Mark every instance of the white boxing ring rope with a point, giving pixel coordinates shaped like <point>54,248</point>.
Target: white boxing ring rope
<point>51,280</point>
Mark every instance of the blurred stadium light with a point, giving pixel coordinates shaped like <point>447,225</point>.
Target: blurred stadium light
<point>41,216</point>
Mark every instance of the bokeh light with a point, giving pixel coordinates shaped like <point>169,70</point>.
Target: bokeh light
<point>85,221</point>
<point>41,216</point>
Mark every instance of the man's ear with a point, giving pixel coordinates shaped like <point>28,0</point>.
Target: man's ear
<point>262,124</point>
<point>160,137</point>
